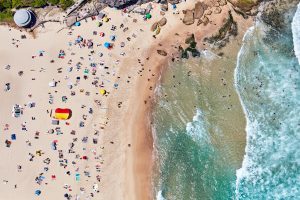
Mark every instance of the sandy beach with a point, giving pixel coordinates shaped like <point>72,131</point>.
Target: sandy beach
<point>105,149</point>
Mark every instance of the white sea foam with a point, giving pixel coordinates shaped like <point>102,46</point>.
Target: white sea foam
<point>159,196</point>
<point>296,32</point>
<point>242,171</point>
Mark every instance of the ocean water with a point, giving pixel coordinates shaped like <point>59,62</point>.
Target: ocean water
<point>195,149</point>
<point>268,81</point>
<point>198,142</point>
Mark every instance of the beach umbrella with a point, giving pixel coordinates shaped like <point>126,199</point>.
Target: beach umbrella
<point>174,6</point>
<point>77,177</point>
<point>112,37</point>
<point>122,44</point>
<point>77,24</point>
<point>102,91</point>
<point>37,192</point>
<point>148,16</point>
<point>101,34</point>
<point>90,44</point>
<point>105,19</point>
<point>107,44</point>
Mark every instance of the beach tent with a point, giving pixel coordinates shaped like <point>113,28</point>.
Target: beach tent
<point>102,91</point>
<point>77,177</point>
<point>52,84</point>
<point>13,136</point>
<point>62,113</point>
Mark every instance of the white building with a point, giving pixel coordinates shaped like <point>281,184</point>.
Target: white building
<point>23,17</point>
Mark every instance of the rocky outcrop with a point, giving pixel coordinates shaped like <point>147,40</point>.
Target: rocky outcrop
<point>123,3</point>
<point>244,5</point>
<point>192,49</point>
<point>188,18</point>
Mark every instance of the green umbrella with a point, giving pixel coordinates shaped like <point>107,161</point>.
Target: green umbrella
<point>148,16</point>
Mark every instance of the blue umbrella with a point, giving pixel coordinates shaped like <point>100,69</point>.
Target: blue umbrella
<point>112,37</point>
<point>107,44</point>
<point>77,23</point>
<point>13,136</point>
<point>38,192</point>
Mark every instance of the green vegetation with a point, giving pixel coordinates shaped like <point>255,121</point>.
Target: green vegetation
<point>6,14</point>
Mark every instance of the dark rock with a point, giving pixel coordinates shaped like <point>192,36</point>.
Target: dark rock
<point>120,4</point>
<point>190,38</point>
<point>162,52</point>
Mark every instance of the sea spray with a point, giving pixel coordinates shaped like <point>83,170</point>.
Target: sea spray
<point>296,32</point>
<point>242,172</point>
<point>268,81</point>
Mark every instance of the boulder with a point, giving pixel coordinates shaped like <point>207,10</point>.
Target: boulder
<point>162,52</point>
<point>199,10</point>
<point>154,26</point>
<point>188,18</point>
<point>162,22</point>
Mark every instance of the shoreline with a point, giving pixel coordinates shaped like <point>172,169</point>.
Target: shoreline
<point>127,163</point>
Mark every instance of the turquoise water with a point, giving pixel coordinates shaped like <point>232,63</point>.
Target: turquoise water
<point>268,80</point>
<point>186,150</point>
<point>194,162</point>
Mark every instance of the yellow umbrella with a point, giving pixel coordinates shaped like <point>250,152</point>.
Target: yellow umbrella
<point>102,91</point>
<point>105,19</point>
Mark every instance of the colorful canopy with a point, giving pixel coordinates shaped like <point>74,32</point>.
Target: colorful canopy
<point>62,113</point>
<point>107,44</point>
<point>102,91</point>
